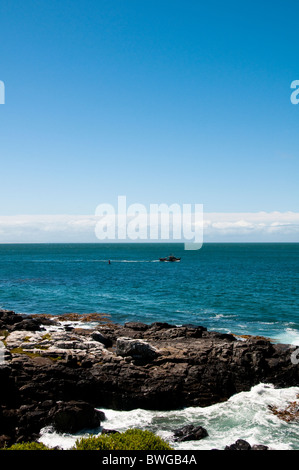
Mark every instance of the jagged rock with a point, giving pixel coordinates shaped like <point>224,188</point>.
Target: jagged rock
<point>97,336</point>
<point>190,433</point>
<point>133,347</point>
<point>240,444</point>
<point>27,324</point>
<point>74,416</point>
<point>10,321</point>
<point>259,447</point>
<point>160,366</point>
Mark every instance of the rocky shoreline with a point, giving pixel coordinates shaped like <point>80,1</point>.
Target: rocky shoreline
<point>60,373</point>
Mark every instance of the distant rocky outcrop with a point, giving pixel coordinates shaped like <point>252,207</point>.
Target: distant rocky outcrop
<point>51,370</point>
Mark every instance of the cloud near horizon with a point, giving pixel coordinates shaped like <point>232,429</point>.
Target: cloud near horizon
<point>217,227</point>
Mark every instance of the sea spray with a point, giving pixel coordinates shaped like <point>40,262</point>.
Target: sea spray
<point>245,415</point>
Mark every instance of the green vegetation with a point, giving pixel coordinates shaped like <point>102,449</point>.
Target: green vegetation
<point>132,439</point>
<point>28,446</point>
<point>46,336</point>
<point>22,351</point>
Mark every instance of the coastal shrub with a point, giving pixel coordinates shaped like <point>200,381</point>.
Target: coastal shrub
<point>28,446</point>
<point>132,439</point>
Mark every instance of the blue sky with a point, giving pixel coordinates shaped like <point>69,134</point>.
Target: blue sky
<point>159,100</point>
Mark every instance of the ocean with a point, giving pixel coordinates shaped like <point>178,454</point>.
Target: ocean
<point>239,288</point>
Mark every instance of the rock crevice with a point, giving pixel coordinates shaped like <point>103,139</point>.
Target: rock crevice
<point>157,366</point>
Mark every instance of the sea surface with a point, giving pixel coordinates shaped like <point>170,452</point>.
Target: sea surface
<point>234,288</point>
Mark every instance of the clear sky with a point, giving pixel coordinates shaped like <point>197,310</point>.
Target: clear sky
<point>159,100</point>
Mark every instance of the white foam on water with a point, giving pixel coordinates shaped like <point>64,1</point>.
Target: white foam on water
<point>288,336</point>
<point>65,441</point>
<point>245,415</point>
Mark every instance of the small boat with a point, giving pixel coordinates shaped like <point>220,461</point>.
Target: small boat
<point>170,258</point>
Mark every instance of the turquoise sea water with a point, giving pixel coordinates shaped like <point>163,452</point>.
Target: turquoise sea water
<point>239,288</point>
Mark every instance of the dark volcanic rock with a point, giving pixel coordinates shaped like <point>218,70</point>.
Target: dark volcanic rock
<point>134,347</point>
<point>136,325</point>
<point>74,416</point>
<point>158,366</point>
<point>97,336</point>
<point>10,321</point>
<point>259,447</point>
<point>25,423</point>
<point>27,324</point>
<point>190,433</point>
<point>240,444</point>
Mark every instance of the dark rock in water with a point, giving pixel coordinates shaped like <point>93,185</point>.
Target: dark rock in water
<point>158,367</point>
<point>25,423</point>
<point>240,444</point>
<point>74,416</point>
<point>28,324</point>
<point>190,433</point>
<point>8,319</point>
<point>11,321</point>
<point>259,447</point>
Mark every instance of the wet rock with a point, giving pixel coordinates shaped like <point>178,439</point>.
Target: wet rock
<point>159,366</point>
<point>241,444</point>
<point>259,447</point>
<point>190,433</point>
<point>73,416</point>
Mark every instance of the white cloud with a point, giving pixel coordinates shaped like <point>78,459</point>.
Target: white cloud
<point>263,226</point>
<point>217,227</point>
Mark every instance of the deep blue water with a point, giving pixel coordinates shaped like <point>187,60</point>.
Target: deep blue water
<point>239,288</point>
